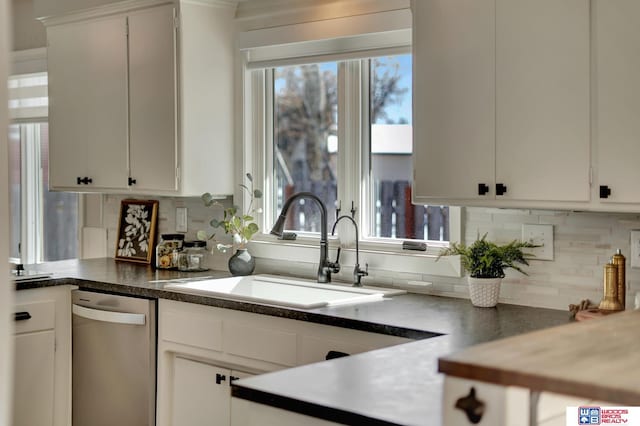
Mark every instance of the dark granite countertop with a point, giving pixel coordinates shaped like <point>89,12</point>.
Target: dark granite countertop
<point>399,385</point>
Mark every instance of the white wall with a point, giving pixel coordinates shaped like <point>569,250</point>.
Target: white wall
<point>45,8</point>
<point>199,217</point>
<point>28,33</point>
<point>6,292</point>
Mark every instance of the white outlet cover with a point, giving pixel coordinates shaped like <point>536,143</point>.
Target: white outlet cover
<point>181,219</point>
<point>539,234</point>
<point>635,249</point>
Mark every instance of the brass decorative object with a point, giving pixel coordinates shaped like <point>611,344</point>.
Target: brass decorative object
<point>619,260</point>
<point>610,301</point>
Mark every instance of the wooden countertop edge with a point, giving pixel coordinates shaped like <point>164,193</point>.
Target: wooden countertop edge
<point>498,376</point>
<point>531,360</point>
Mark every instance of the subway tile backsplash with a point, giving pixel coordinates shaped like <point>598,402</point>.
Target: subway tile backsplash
<point>583,243</point>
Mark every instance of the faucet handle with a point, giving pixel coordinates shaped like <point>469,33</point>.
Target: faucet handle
<point>334,267</point>
<point>358,273</point>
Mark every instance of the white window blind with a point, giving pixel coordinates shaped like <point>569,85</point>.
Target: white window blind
<point>28,99</point>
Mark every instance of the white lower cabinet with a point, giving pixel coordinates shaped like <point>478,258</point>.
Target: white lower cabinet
<point>492,405</point>
<point>201,393</point>
<point>42,354</point>
<point>33,383</point>
<point>201,349</point>
<point>247,413</point>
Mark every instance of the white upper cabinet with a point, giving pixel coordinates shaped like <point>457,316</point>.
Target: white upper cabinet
<point>542,99</point>
<point>152,99</point>
<point>141,98</point>
<point>617,86</point>
<point>501,101</point>
<point>454,98</point>
<point>87,65</point>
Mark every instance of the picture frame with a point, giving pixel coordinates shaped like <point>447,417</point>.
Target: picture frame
<point>137,230</point>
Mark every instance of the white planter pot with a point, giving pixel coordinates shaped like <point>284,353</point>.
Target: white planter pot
<point>484,292</point>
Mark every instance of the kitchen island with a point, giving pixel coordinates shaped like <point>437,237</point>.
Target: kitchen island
<point>397,385</point>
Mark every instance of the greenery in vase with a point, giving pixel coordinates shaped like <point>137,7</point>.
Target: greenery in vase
<point>485,259</point>
<point>239,225</point>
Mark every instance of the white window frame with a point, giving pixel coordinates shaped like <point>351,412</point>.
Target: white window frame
<point>381,254</point>
<point>25,64</point>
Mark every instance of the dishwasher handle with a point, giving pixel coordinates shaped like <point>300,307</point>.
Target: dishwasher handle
<point>108,316</point>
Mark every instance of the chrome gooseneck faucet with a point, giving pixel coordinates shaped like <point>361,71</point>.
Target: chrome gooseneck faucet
<point>358,273</point>
<point>325,268</point>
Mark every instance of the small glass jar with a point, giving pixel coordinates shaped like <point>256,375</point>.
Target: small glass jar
<point>193,257</point>
<point>167,251</point>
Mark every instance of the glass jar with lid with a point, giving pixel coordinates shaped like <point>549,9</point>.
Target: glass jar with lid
<point>167,250</point>
<point>193,257</point>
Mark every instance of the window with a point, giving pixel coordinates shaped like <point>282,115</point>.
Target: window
<point>305,140</point>
<point>391,214</point>
<point>339,126</point>
<point>306,147</point>
<point>44,224</point>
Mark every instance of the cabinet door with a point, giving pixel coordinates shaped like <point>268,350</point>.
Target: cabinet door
<point>454,98</point>
<point>617,78</point>
<point>34,378</point>
<point>87,66</point>
<point>542,99</point>
<point>152,101</point>
<point>197,397</point>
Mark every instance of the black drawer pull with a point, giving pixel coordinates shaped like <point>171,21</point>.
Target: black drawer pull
<point>335,354</point>
<point>22,316</point>
<point>233,379</point>
<point>483,189</point>
<point>220,378</point>
<point>85,180</point>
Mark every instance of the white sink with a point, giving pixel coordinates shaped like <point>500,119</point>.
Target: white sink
<point>273,290</point>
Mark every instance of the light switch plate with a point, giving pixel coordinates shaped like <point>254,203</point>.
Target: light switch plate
<point>635,249</point>
<point>181,219</point>
<point>541,235</point>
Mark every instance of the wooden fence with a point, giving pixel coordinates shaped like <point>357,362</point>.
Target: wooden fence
<point>394,216</point>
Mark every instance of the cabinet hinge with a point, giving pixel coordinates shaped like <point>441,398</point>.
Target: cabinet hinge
<point>126,27</point>
<point>177,174</point>
<point>176,19</point>
<point>590,176</point>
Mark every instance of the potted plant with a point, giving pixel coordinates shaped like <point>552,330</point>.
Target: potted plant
<point>240,225</point>
<point>485,263</point>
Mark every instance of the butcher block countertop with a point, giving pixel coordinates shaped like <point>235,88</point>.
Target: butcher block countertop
<point>598,359</point>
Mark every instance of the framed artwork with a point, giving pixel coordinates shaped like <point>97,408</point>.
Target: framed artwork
<point>137,230</point>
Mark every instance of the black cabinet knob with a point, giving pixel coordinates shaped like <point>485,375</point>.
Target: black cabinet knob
<point>483,189</point>
<point>501,189</point>
<point>605,191</point>
<point>220,378</point>
<point>472,406</point>
<point>233,379</point>
<point>132,181</point>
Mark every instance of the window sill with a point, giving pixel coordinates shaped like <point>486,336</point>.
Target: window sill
<point>380,260</point>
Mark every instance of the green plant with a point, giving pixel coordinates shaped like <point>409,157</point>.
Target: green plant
<point>240,226</point>
<point>485,259</point>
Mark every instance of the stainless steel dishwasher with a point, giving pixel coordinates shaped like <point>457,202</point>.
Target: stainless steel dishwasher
<point>114,361</point>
